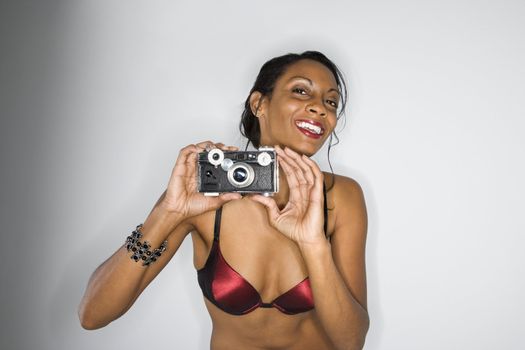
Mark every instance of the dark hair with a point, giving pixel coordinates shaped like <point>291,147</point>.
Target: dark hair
<point>270,72</point>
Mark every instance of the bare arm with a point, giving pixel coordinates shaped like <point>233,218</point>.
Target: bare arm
<point>337,273</point>
<point>118,282</point>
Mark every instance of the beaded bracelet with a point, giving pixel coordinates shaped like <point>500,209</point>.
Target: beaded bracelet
<point>141,250</point>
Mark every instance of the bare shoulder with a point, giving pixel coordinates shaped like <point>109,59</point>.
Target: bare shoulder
<point>345,196</point>
<point>344,189</point>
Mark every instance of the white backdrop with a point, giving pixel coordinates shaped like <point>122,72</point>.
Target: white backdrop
<point>100,96</point>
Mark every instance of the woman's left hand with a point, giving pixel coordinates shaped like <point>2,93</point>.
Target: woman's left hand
<point>301,219</point>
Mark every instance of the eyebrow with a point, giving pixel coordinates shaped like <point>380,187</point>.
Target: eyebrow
<point>311,83</point>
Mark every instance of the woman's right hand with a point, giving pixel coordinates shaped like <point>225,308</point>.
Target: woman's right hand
<point>181,196</point>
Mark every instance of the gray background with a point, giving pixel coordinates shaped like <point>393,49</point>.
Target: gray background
<point>97,97</point>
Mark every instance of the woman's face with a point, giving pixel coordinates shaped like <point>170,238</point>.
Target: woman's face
<point>302,111</point>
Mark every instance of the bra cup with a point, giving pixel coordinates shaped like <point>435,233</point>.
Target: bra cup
<point>296,300</point>
<point>205,274</point>
<point>231,291</point>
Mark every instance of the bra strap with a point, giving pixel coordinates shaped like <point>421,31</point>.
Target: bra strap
<point>217,227</point>
<point>325,212</point>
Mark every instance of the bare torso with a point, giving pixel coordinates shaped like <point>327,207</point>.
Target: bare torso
<point>272,264</point>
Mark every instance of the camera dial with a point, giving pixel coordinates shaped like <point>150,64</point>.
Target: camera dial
<point>215,156</point>
<point>264,159</point>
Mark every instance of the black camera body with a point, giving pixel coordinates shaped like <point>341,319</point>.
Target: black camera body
<point>238,171</point>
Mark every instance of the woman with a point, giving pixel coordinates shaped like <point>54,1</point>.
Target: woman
<point>289,273</point>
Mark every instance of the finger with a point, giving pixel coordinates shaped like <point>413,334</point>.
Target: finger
<point>208,145</point>
<point>186,155</point>
<point>183,172</point>
<point>278,150</point>
<point>205,145</point>
<point>270,205</point>
<point>291,177</point>
<point>218,145</point>
<point>228,196</point>
<point>205,203</point>
<point>224,198</point>
<point>306,170</point>
<point>226,148</point>
<point>293,160</point>
<point>319,180</point>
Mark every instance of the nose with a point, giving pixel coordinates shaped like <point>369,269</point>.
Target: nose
<point>316,109</point>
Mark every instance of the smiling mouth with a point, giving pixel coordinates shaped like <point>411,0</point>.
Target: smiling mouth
<point>310,128</point>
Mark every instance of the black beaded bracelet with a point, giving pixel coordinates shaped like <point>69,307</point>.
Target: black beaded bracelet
<point>141,250</point>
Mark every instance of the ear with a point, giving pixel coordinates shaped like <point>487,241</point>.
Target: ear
<point>256,103</point>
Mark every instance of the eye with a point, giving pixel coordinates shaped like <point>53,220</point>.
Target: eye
<point>300,91</point>
<point>332,103</point>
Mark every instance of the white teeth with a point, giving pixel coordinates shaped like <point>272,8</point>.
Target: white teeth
<point>313,128</point>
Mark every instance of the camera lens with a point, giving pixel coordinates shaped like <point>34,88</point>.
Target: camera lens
<point>215,156</point>
<point>240,175</point>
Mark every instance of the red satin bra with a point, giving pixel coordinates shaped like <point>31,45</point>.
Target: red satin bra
<point>230,292</point>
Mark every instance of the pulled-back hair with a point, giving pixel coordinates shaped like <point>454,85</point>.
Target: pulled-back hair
<point>270,72</point>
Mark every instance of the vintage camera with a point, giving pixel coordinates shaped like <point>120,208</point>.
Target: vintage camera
<point>238,171</point>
